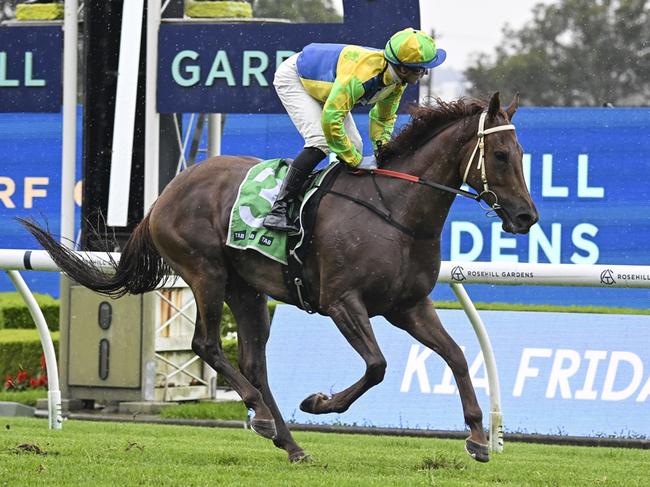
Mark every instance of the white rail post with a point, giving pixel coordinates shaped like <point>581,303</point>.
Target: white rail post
<point>53,393</point>
<point>496,418</point>
<point>69,147</point>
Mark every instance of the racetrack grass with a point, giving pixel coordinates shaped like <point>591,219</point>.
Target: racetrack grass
<point>224,410</point>
<point>125,454</point>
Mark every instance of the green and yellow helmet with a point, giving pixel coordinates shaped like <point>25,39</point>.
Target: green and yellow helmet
<point>413,49</point>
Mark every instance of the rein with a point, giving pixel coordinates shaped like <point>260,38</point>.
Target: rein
<point>480,146</point>
<point>418,180</point>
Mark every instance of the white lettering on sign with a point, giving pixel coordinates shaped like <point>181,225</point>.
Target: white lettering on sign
<point>467,243</point>
<point>593,357</point>
<point>220,69</point>
<point>526,370</point>
<point>565,364</point>
<point>615,361</point>
<point>548,190</point>
<point>582,182</point>
<point>547,241</point>
<point>256,68</point>
<point>416,366</point>
<point>33,187</point>
<point>28,79</point>
<point>623,378</point>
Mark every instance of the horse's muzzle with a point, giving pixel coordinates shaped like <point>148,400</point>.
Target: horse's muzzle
<point>520,223</point>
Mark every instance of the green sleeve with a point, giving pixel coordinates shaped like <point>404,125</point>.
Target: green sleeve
<point>345,93</point>
<point>383,116</point>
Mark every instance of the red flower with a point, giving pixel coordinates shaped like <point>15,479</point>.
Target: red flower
<point>42,380</point>
<point>33,383</point>
<point>43,362</point>
<point>9,383</point>
<point>22,376</point>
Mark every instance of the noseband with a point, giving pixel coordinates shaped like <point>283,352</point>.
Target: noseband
<point>480,165</point>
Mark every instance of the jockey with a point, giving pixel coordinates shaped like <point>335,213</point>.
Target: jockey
<point>319,87</point>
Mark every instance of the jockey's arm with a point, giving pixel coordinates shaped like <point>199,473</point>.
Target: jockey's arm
<point>343,96</point>
<point>383,116</point>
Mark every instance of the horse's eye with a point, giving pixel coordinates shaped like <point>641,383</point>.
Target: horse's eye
<point>501,156</point>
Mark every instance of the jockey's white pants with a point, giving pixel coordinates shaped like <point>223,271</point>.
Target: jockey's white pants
<point>305,111</point>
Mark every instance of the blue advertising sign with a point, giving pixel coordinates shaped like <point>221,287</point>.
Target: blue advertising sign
<point>30,69</point>
<point>229,68</point>
<point>567,374</point>
<point>30,185</point>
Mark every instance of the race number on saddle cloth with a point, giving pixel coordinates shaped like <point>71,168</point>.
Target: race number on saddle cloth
<point>254,200</point>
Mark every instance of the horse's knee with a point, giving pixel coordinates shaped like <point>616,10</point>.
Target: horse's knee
<point>376,371</point>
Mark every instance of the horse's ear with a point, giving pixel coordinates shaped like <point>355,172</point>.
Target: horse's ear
<point>512,108</point>
<point>494,105</point>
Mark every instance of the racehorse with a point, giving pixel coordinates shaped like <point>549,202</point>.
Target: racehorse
<point>359,265</point>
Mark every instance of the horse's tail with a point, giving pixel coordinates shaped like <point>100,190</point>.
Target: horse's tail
<point>140,268</point>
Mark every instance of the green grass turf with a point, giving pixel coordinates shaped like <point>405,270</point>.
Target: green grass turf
<point>226,410</point>
<point>28,397</point>
<point>109,454</point>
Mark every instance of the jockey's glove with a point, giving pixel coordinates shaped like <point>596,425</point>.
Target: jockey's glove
<point>368,163</point>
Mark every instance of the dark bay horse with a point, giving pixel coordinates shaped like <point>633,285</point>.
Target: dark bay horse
<point>359,266</point>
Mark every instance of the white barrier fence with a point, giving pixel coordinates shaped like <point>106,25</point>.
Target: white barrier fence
<point>454,273</point>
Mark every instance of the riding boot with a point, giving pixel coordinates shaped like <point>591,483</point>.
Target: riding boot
<point>300,168</point>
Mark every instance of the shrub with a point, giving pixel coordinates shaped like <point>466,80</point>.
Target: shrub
<point>15,314</point>
<point>21,350</point>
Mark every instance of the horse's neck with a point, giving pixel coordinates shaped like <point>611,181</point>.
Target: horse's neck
<point>439,160</point>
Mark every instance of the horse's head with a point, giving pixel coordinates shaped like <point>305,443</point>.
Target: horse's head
<point>495,168</point>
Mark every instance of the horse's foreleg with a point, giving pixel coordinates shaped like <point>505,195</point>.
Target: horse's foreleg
<point>422,323</point>
<point>206,343</point>
<point>251,313</point>
<point>351,318</point>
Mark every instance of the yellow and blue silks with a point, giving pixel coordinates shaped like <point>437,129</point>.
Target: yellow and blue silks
<point>341,76</point>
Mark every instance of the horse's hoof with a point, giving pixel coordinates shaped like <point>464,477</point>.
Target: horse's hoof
<point>300,457</point>
<point>313,404</point>
<point>264,427</point>
<point>477,451</point>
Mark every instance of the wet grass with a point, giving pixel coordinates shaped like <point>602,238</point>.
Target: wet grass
<point>98,454</point>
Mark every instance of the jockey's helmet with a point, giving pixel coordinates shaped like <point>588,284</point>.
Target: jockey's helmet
<point>413,49</point>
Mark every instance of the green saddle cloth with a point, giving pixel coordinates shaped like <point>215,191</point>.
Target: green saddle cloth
<point>254,201</point>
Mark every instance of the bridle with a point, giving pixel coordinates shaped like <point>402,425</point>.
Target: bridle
<point>480,165</point>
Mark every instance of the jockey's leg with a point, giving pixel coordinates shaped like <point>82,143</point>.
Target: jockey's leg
<point>300,168</point>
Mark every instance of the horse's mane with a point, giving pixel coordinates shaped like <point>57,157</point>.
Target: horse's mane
<point>425,119</point>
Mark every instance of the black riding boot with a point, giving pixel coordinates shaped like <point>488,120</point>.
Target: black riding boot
<point>300,168</point>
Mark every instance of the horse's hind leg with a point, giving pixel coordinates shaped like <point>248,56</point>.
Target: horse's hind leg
<point>422,322</point>
<point>351,318</point>
<point>251,313</point>
<point>208,286</point>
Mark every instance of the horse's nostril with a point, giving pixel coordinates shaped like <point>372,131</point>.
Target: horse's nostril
<point>525,219</point>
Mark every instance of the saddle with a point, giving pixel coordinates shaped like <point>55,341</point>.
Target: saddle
<point>254,200</point>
